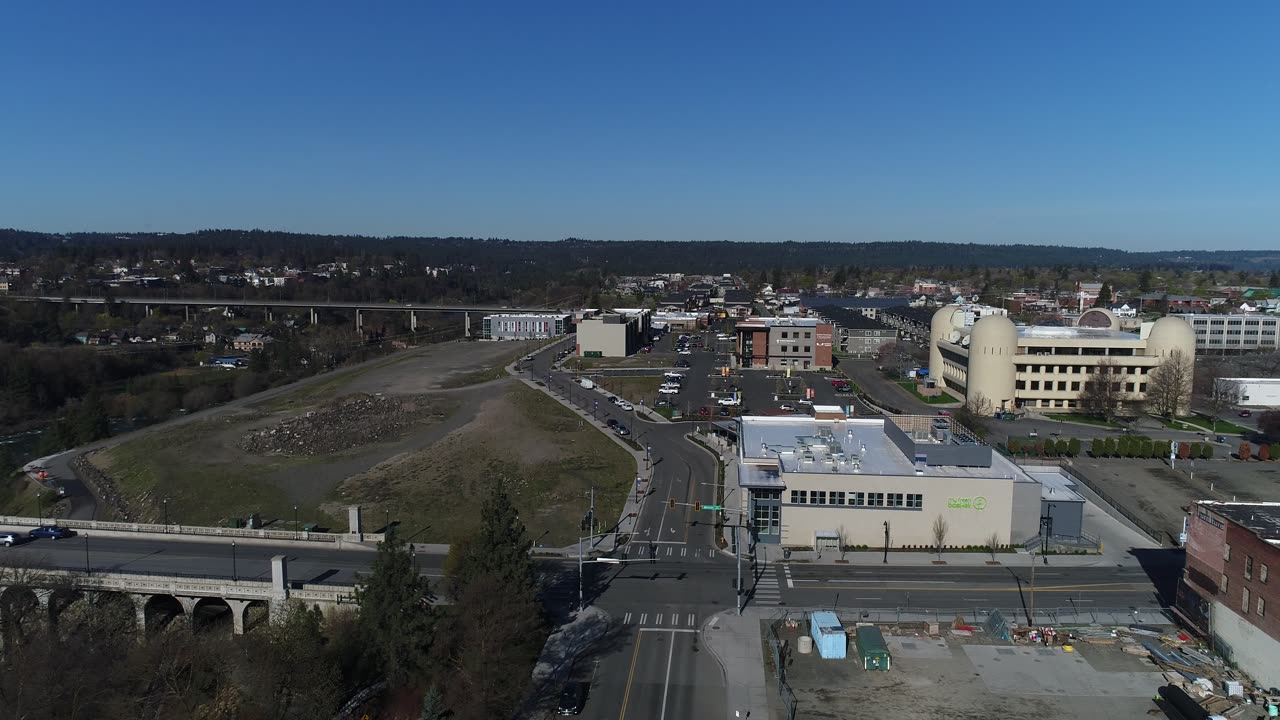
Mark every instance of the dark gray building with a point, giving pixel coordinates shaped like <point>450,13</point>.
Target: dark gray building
<point>855,334</point>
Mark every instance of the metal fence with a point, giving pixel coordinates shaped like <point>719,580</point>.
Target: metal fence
<point>299,535</point>
<point>1070,615</point>
<point>1141,524</point>
<point>779,652</point>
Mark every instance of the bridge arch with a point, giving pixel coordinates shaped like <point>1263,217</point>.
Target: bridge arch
<point>158,611</point>
<point>21,612</point>
<point>211,614</point>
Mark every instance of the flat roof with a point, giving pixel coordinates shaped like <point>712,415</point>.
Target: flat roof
<point>1055,486</point>
<point>1261,518</point>
<point>1051,332</point>
<point>777,322</point>
<point>852,446</point>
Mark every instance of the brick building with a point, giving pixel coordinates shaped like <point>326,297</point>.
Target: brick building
<point>1228,591</point>
<point>781,343</point>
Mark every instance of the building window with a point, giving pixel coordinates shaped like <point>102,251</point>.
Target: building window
<point>1222,586</point>
<point>806,348</point>
<point>1248,567</point>
<point>837,497</point>
<point>799,497</point>
<point>1244,601</point>
<point>819,497</point>
<point>1262,606</point>
<point>1262,573</point>
<point>1035,384</point>
<point>875,499</point>
<point>915,501</point>
<point>784,334</point>
<point>1075,386</point>
<point>857,498</point>
<point>896,500</point>
<point>1226,552</point>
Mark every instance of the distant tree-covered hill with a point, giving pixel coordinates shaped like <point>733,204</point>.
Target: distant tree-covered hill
<point>639,256</point>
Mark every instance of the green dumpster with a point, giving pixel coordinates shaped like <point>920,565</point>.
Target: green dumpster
<point>872,649</point>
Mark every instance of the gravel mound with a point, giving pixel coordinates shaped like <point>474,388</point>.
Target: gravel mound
<point>345,423</point>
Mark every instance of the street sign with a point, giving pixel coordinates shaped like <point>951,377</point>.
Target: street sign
<point>712,507</point>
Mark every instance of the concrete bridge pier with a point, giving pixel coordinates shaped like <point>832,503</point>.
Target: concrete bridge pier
<point>359,321</point>
<point>466,324</point>
<point>238,608</point>
<point>314,319</point>
<point>413,321</point>
<point>269,314</point>
<point>146,310</point>
<point>186,311</point>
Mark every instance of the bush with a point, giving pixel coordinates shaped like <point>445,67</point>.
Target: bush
<point>1275,451</point>
<point>1015,446</point>
<point>1207,452</point>
<point>1184,451</point>
<point>1245,451</point>
<point>1109,447</point>
<point>1264,452</point>
<point>1195,450</point>
<point>1073,449</point>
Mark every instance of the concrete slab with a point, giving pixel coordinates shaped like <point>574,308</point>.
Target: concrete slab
<point>1053,672</point>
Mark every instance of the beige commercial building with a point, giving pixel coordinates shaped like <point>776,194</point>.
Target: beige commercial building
<point>815,482</point>
<point>617,333</point>
<point>1043,367</point>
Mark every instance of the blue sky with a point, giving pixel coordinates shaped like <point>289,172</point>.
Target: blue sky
<point>1143,125</point>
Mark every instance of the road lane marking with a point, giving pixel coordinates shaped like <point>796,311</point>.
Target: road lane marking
<point>683,550</point>
<point>675,619</point>
<point>666,684</point>
<point>666,630</point>
<point>658,620</point>
<point>867,598</point>
<point>691,619</point>
<point>626,619</point>
<point>630,675</point>
<point>786,570</point>
<point>669,551</point>
<point>643,617</point>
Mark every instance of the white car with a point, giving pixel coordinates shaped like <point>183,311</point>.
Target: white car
<point>729,401</point>
<point>626,406</point>
<point>804,402</point>
<point>685,351</point>
<point>669,390</point>
<point>673,375</point>
<point>788,408</point>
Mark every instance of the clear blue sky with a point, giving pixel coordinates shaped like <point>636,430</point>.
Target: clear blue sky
<point>1142,125</point>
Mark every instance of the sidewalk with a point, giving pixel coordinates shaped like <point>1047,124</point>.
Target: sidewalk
<point>563,647</point>
<point>736,643</point>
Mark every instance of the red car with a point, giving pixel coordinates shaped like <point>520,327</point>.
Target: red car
<point>704,410</point>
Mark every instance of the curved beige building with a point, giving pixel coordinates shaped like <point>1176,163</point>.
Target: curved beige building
<point>1043,367</point>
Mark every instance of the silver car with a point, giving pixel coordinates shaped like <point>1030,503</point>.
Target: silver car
<point>9,539</point>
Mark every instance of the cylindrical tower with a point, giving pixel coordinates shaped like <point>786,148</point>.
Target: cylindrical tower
<point>992,345</point>
<point>940,328</point>
<point>1169,334</point>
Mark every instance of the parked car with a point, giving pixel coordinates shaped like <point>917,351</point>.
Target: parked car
<point>803,401</point>
<point>662,402</point>
<point>685,351</point>
<point>611,423</point>
<point>572,698</point>
<point>1245,413</point>
<point>788,407</point>
<point>626,406</point>
<point>724,412</point>
<point>54,532</point>
<point>704,410</point>
<point>9,539</point>
<point>682,363</point>
<point>622,431</point>
<point>668,390</point>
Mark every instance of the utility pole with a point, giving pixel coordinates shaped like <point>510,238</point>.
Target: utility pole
<point>1031,613</point>
<point>737,546</point>
<point>886,542</point>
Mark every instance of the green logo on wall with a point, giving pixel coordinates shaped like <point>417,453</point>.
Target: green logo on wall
<point>976,503</point>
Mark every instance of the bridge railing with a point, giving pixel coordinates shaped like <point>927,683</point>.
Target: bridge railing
<point>299,535</point>
<point>189,586</point>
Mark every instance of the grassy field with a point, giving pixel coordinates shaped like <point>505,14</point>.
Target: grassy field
<point>205,479</point>
<point>639,360</point>
<point>1083,420</point>
<point>548,457</point>
<point>632,389</point>
<point>1200,423</point>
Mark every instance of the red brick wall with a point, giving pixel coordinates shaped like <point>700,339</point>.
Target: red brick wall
<point>1206,565</point>
<point>822,347</point>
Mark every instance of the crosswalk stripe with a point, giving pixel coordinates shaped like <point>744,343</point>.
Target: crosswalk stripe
<point>626,620</point>
<point>669,551</point>
<point>683,551</point>
<point>690,619</point>
<point>675,619</point>
<point>643,617</point>
<point>658,620</point>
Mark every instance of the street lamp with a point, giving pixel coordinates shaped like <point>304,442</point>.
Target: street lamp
<point>295,522</point>
<point>166,514</point>
<point>886,542</point>
<point>87,569</point>
<point>235,577</point>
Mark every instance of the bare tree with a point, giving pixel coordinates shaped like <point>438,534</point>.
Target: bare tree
<point>993,543</point>
<point>1103,391</point>
<point>940,529</point>
<point>979,404</point>
<point>1169,385</point>
<point>842,536</point>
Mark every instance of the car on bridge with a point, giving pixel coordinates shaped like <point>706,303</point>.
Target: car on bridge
<point>9,539</point>
<point>53,532</point>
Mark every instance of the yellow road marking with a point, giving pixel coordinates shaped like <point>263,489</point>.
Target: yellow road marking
<point>630,674</point>
<point>1109,587</point>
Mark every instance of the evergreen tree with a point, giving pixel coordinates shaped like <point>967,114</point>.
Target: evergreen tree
<point>396,616</point>
<point>499,547</point>
<point>1104,296</point>
<point>1097,446</point>
<point>89,422</point>
<point>433,705</point>
<point>1073,448</point>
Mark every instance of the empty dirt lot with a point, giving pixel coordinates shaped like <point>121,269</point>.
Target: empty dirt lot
<point>417,451</point>
<point>971,679</point>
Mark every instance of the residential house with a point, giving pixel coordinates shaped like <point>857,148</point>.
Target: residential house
<point>247,342</point>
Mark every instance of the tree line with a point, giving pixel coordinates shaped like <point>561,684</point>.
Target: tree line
<point>470,659</point>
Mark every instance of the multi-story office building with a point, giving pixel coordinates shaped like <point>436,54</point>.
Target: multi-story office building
<point>1046,367</point>
<point>524,326</point>
<point>781,343</point>
<point>1227,592</point>
<point>1233,333</point>
<point>614,334</point>
<point>828,480</point>
<point>854,334</point>
<point>912,321</point>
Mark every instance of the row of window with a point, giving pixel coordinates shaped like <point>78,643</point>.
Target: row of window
<point>794,348</point>
<point>1263,570</point>
<point>1078,369</point>
<point>1074,387</point>
<point>911,501</point>
<point>1219,321</point>
<point>796,335</point>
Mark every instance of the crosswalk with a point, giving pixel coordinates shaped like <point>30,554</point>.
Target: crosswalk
<point>642,551</point>
<point>661,619</point>
<point>766,591</point>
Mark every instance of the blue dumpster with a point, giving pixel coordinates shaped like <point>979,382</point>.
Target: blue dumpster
<point>828,635</point>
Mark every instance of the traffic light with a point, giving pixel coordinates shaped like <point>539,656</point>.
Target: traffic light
<point>671,503</point>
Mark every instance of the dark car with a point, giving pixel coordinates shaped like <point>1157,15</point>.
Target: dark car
<point>1245,413</point>
<point>622,431</point>
<point>723,412</point>
<point>682,363</point>
<point>51,531</point>
<point>612,423</point>
<point>572,698</point>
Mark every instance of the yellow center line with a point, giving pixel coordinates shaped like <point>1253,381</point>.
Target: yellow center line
<point>630,674</point>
